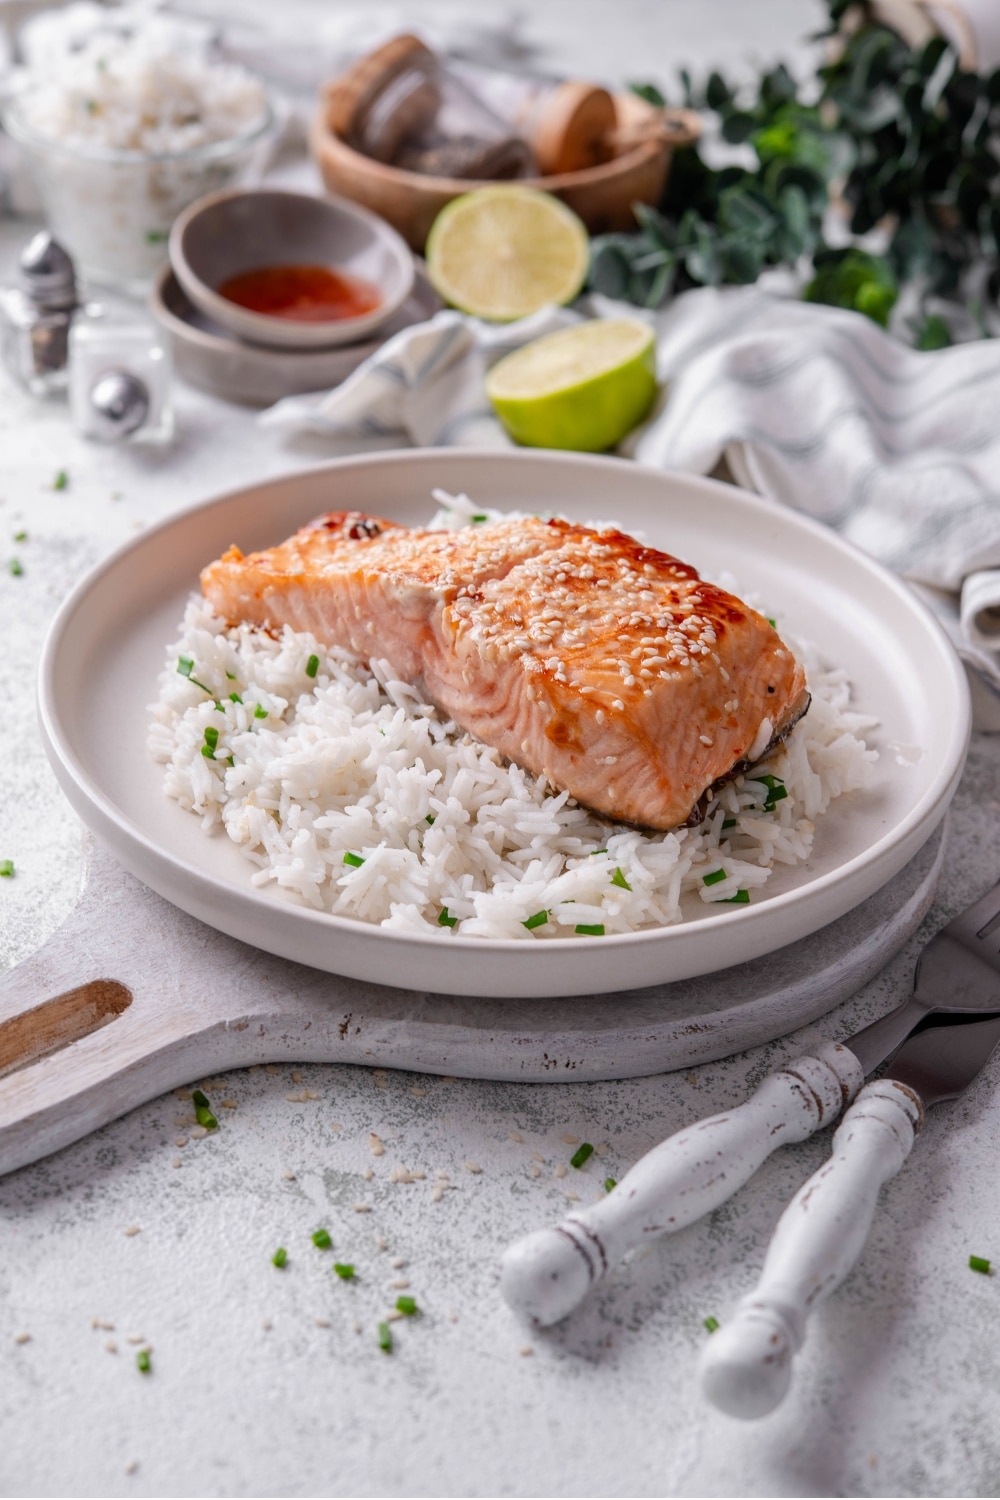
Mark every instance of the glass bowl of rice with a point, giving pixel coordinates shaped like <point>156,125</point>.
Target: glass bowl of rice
<point>123,134</point>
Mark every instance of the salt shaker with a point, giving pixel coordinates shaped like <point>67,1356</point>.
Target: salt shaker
<point>36,315</point>
<point>120,382</point>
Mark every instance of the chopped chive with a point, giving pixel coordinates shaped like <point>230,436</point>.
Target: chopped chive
<point>15,568</point>
<point>385,1338</point>
<point>590,929</point>
<point>211,737</point>
<point>231,676</point>
<point>609,1183</point>
<point>156,236</point>
<point>353,859</point>
<point>581,1154</point>
<point>728,823</point>
<point>61,480</point>
<point>773,623</point>
<point>599,851</point>
<point>234,697</point>
<point>20,536</point>
<point>429,818</point>
<point>6,868</point>
<point>713,877</point>
<point>445,918</point>
<point>203,1111</point>
<point>344,1271</point>
<point>185,666</point>
<point>711,1323</point>
<point>478,518</point>
<point>142,1362</point>
<point>312,666</point>
<point>977,1263</point>
<point>406,1305</point>
<point>537,920</point>
<point>321,1239</point>
<point>619,879</point>
<point>260,712</point>
<point>740,899</point>
<point>280,1257</point>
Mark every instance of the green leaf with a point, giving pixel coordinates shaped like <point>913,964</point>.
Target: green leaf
<point>932,333</point>
<point>649,92</point>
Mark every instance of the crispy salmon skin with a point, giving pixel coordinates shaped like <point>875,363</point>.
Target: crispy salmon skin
<point>606,666</point>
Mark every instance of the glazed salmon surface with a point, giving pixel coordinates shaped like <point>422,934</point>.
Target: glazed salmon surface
<point>606,666</point>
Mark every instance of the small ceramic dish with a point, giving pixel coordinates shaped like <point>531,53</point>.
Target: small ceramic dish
<point>231,234</point>
<point>211,358</point>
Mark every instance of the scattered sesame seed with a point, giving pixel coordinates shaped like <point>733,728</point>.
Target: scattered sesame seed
<point>181,1140</point>
<point>368,1174</point>
<point>321,1322</point>
<point>362,1208</point>
<point>535,1169</point>
<point>398,1263</point>
<point>229,1104</point>
<point>288,1175</point>
<point>266,1324</point>
<point>561,1169</point>
<point>22,1338</point>
<point>418,1093</point>
<point>111,1346</point>
<point>132,1229</point>
<point>400,1284</point>
<point>137,1338</point>
<point>570,1140</point>
<point>526,1350</point>
<point>472,1166</point>
<point>198,1132</point>
<point>296,1076</point>
<point>377,1148</point>
<point>515,1135</point>
<point>381,1242</point>
<point>176,1161</point>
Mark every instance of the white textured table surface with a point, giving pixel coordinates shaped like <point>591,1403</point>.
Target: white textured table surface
<point>271,1382</point>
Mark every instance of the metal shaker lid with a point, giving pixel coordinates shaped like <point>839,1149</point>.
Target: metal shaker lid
<point>47,274</point>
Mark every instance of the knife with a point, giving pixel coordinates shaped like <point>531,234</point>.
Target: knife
<point>547,1274</point>
<point>746,1368</point>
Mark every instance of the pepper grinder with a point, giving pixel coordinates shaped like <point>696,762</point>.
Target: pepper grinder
<point>120,382</point>
<point>36,316</point>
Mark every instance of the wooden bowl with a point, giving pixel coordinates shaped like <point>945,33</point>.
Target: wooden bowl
<point>602,196</point>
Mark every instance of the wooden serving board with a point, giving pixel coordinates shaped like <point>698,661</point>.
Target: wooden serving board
<point>132,997</point>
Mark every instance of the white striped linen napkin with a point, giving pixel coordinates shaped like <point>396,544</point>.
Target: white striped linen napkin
<point>814,407</point>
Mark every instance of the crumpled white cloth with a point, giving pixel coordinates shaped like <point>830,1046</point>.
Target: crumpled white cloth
<point>814,407</point>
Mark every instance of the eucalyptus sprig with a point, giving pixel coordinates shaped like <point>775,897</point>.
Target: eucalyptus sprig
<point>903,139</point>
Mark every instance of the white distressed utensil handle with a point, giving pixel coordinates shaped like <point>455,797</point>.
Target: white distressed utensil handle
<point>746,1368</point>
<point>547,1274</point>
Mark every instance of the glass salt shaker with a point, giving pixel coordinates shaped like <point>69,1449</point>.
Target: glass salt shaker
<point>36,316</point>
<point>120,382</point>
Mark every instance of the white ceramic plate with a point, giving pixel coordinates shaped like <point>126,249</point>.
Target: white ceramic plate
<point>108,645</point>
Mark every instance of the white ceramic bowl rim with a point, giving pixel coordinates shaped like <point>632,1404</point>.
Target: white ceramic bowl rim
<point>18,128</point>
<point>266,330</point>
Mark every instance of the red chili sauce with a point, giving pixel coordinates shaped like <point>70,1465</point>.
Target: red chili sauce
<point>303,294</point>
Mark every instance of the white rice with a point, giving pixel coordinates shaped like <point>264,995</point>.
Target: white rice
<point>352,796</point>
<point>139,83</point>
<point>123,122</point>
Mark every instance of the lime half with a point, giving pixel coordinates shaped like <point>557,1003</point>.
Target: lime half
<point>503,252</point>
<point>584,387</point>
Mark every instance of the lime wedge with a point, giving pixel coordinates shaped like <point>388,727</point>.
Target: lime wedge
<point>503,252</point>
<point>584,387</point>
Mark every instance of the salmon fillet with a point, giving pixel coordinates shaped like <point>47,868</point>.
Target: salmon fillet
<point>607,667</point>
